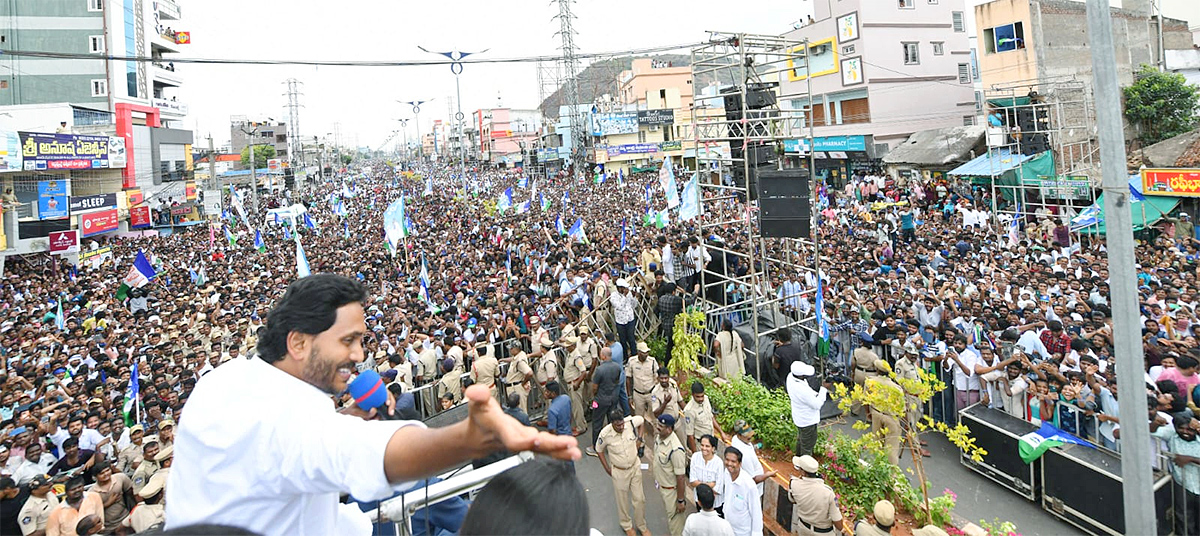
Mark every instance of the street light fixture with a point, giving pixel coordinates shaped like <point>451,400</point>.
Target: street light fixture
<point>416,108</point>
<point>404,128</point>
<point>456,67</point>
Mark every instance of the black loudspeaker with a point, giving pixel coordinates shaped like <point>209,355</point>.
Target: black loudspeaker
<point>289,179</point>
<point>785,203</point>
<point>757,98</point>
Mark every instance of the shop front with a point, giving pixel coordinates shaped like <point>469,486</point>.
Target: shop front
<point>836,158</point>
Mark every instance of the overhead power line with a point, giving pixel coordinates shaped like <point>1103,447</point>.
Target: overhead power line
<point>337,63</point>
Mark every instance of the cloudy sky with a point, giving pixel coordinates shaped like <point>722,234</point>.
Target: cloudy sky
<point>363,99</point>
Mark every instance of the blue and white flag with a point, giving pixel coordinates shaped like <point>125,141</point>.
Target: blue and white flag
<point>302,269</point>
<point>395,222</point>
<point>666,179</point>
<point>258,242</point>
<point>545,202</point>
<point>523,182</point>
<point>622,235</point>
<point>690,207</point>
<point>1014,232</point>
<point>308,222</point>
<point>621,177</point>
<point>523,207</point>
<point>1137,196</point>
<point>428,185</point>
<point>60,321</point>
<point>576,231</point>
<point>558,226</point>
<point>566,200</point>
<point>346,230</point>
<point>506,200</point>
<point>287,234</point>
<point>822,323</point>
<point>132,396</point>
<point>647,197</point>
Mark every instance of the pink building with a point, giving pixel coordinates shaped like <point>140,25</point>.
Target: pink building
<point>505,134</point>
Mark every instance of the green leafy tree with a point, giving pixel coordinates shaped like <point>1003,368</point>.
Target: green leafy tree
<point>1161,104</point>
<point>262,153</point>
<point>346,159</point>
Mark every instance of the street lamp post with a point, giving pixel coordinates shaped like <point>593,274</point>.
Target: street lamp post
<point>416,109</point>
<point>456,67</point>
<point>404,129</point>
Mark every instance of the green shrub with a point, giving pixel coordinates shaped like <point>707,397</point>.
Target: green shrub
<point>768,411</point>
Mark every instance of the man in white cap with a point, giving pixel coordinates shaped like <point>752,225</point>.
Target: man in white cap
<point>814,504</point>
<point>623,305</point>
<point>152,512</point>
<point>885,516</point>
<point>806,405</point>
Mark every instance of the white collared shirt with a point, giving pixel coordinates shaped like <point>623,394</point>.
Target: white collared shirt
<point>265,451</point>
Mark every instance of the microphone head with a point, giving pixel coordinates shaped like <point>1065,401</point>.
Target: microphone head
<point>368,390</point>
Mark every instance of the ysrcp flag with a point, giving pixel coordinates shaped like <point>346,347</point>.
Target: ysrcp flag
<point>393,222</point>
<point>690,207</point>
<point>666,179</point>
<point>1034,444</point>
<point>506,201</point>
<point>140,274</point>
<point>302,269</point>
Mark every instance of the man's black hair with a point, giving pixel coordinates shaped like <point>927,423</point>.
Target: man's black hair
<point>309,306</point>
<point>515,502</point>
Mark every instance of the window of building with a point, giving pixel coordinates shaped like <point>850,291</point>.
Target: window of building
<point>912,53</point>
<point>641,136</point>
<point>268,134</point>
<point>662,94</point>
<point>968,120</point>
<point>933,2</point>
<point>939,48</point>
<point>978,101</point>
<point>1004,38</point>
<point>95,5</point>
<point>957,18</point>
<point>96,43</point>
<point>100,88</point>
<point>281,138</point>
<point>907,4</point>
<point>964,73</point>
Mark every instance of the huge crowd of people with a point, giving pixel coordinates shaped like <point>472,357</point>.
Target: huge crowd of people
<point>917,275</point>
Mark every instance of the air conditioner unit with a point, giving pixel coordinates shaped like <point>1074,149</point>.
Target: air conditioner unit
<point>653,128</point>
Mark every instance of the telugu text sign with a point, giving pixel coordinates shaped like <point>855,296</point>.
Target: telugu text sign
<point>139,217</point>
<point>1171,182</point>
<point>41,151</point>
<point>64,241</point>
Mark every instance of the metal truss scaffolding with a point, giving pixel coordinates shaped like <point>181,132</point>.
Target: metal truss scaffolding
<point>1026,120</point>
<point>730,146</point>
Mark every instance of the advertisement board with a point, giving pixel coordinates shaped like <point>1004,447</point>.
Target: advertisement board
<point>85,203</point>
<point>182,210</point>
<point>656,117</point>
<point>134,197</point>
<point>41,152</point>
<point>1171,182</point>
<point>275,164</point>
<point>139,217</point>
<point>94,223</point>
<point>1073,187</point>
<point>52,200</point>
<point>189,191</point>
<point>96,257</point>
<point>614,123</point>
<point>64,241</point>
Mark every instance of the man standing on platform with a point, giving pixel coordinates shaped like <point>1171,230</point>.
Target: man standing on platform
<point>670,466</point>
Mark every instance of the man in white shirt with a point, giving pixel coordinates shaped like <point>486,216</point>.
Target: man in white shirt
<point>743,435</point>
<point>963,360</point>
<point>706,522</point>
<point>263,448</point>
<point>743,506</point>
<point>88,438</point>
<point>806,406</point>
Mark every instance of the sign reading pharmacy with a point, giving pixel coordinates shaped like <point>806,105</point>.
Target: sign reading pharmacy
<point>1171,182</point>
<point>41,152</point>
<point>827,143</point>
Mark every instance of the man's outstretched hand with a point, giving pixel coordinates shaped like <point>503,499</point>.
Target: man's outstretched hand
<point>490,429</point>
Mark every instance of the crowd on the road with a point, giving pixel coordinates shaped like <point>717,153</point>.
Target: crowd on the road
<point>918,275</point>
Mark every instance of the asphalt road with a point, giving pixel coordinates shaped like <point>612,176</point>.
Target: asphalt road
<point>978,497</point>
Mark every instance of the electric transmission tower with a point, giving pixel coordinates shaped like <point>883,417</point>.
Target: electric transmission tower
<point>295,147</point>
<point>570,73</point>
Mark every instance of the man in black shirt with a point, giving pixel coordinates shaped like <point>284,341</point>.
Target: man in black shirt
<point>607,380</point>
<point>12,498</point>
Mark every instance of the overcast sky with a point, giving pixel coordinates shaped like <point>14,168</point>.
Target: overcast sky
<point>363,99</point>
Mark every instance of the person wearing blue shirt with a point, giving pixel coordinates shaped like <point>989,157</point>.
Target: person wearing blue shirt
<point>558,415</point>
<point>618,357</point>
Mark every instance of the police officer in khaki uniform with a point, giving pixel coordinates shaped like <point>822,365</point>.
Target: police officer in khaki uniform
<point>148,467</point>
<point>37,508</point>
<point>589,349</point>
<point>885,516</point>
<point>883,421</point>
<point>665,400</point>
<point>617,448</point>
<point>697,417</point>
<point>131,456</point>
<point>575,374</point>
<point>863,359</point>
<point>670,466</point>
<point>151,512</point>
<point>814,505</point>
<point>451,380</point>
<point>484,371</point>
<point>518,376</point>
<point>906,367</point>
<point>641,373</point>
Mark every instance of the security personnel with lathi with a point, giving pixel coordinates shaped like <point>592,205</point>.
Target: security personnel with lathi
<point>814,505</point>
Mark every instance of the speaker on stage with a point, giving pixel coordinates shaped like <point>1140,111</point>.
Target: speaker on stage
<point>785,203</point>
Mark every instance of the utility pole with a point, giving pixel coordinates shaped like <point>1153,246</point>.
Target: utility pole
<point>570,71</point>
<point>1127,340</point>
<point>212,170</point>
<point>295,145</point>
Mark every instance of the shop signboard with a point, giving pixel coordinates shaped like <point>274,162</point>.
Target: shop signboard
<point>139,217</point>
<point>52,200</point>
<point>1171,182</point>
<point>64,241</point>
<point>1065,187</point>
<point>827,143</point>
<point>673,145</point>
<point>182,210</point>
<point>656,117</point>
<point>96,258</point>
<point>189,191</point>
<point>84,203</point>
<point>40,152</point>
<point>614,123</point>
<point>102,221</point>
<point>134,197</point>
